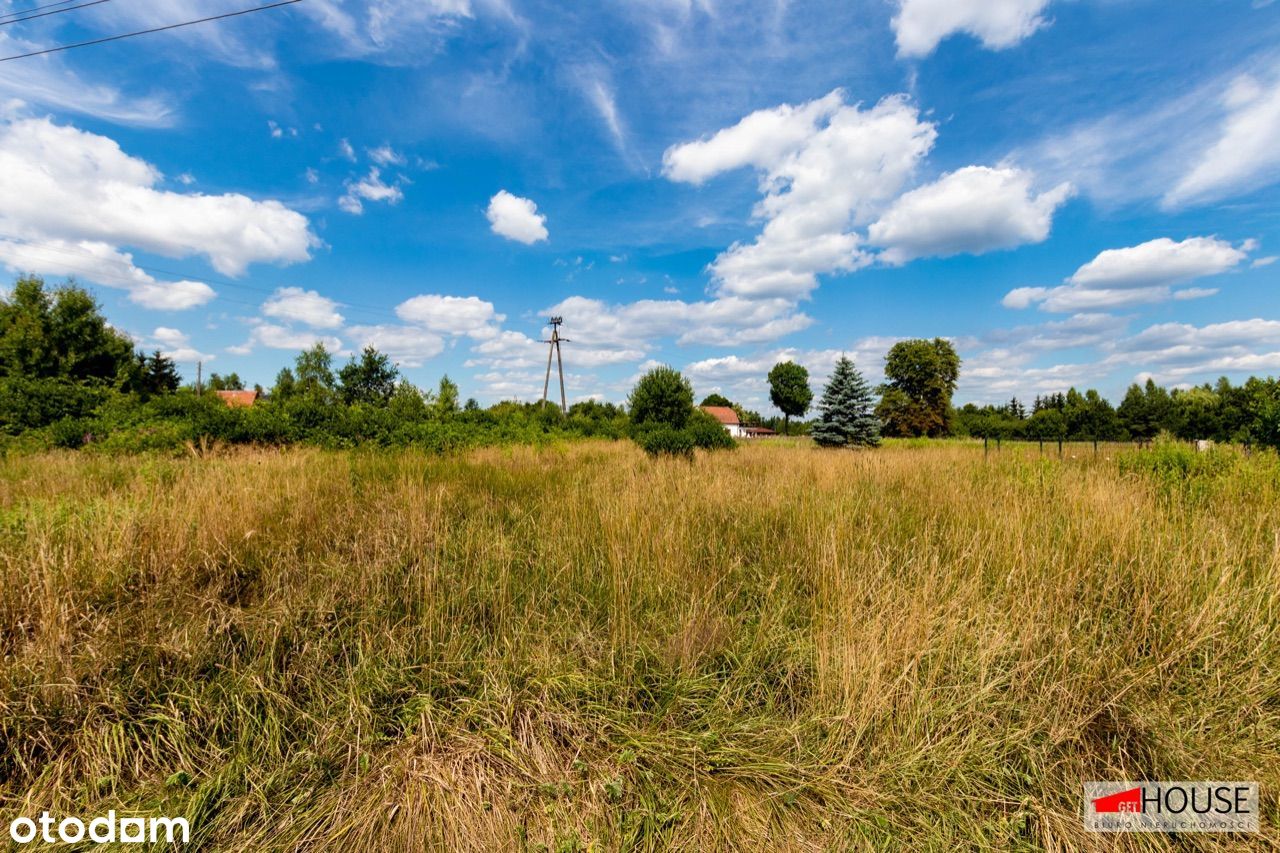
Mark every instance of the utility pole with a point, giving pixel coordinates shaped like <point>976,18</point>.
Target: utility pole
<point>199,371</point>
<point>555,350</point>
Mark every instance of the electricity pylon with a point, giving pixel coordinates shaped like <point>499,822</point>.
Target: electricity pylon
<point>555,350</point>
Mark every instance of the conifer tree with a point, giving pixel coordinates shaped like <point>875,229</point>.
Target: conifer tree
<point>848,410</point>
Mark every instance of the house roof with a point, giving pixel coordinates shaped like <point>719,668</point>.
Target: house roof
<point>723,414</point>
<point>238,398</point>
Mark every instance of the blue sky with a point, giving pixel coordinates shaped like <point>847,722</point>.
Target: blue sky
<point>1074,192</point>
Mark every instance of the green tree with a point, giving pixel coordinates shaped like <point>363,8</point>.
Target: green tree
<point>159,374</point>
<point>716,400</point>
<point>371,379</point>
<point>662,396</point>
<point>230,382</point>
<point>789,390</point>
<point>313,371</point>
<point>62,334</point>
<point>285,385</point>
<point>920,377</point>
<point>848,410</point>
<point>447,396</point>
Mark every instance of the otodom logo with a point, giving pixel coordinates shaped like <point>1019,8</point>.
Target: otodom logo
<point>1171,806</point>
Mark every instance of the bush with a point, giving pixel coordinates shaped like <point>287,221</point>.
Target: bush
<point>707,433</point>
<point>662,396</point>
<point>666,440</point>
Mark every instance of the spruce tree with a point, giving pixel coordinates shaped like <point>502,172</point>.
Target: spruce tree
<point>848,411</point>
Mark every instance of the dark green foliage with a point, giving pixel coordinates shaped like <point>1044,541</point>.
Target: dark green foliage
<point>715,400</point>
<point>371,379</point>
<point>662,396</point>
<point>230,382</point>
<point>848,417</point>
<point>789,391</point>
<point>920,376</point>
<point>58,335</point>
<point>663,439</point>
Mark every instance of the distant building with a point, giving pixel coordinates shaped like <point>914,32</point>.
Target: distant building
<point>238,399</point>
<point>728,419</point>
<point>758,432</point>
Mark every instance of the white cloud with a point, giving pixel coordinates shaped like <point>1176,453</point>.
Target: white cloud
<point>516,218</point>
<point>60,183</point>
<point>825,167</point>
<point>275,336</point>
<point>975,209</point>
<point>105,265</point>
<point>1173,352</point>
<point>385,155</point>
<point>49,83</point>
<point>369,188</point>
<point>304,306</point>
<point>176,345</point>
<point>1244,155</point>
<point>452,315</point>
<point>1136,275</point>
<point>724,321</point>
<point>370,28</point>
<point>407,346</point>
<point>346,151</point>
<point>920,25</point>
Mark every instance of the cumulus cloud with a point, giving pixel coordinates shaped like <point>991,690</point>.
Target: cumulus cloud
<point>516,218</point>
<point>58,183</point>
<point>1244,154</point>
<point>971,210</point>
<point>724,321</point>
<point>105,265</point>
<point>1136,275</point>
<point>1179,351</point>
<point>452,315</point>
<point>369,188</point>
<point>176,344</point>
<point>303,306</point>
<point>920,25</point>
<point>407,346</point>
<point>275,336</point>
<point>826,166</point>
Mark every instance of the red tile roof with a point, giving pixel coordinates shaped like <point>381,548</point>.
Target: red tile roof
<point>238,398</point>
<point>723,414</point>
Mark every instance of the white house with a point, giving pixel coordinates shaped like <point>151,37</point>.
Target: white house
<point>728,419</point>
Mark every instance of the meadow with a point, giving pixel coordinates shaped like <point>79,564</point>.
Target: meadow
<point>577,646</point>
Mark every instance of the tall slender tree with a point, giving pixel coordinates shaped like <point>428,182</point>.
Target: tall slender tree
<point>848,410</point>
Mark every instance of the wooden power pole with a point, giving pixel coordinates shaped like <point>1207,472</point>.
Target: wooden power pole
<point>555,350</point>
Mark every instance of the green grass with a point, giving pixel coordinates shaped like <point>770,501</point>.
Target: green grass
<point>578,647</point>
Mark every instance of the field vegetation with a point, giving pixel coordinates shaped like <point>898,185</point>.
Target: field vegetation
<point>581,646</point>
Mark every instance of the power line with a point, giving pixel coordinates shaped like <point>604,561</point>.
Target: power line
<point>34,8</point>
<point>54,12</point>
<point>152,30</point>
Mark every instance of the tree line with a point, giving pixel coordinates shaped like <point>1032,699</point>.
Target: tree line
<point>68,378</point>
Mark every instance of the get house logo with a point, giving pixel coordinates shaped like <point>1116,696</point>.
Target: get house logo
<point>1171,806</point>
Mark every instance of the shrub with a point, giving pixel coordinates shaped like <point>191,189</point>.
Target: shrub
<point>662,396</point>
<point>666,440</point>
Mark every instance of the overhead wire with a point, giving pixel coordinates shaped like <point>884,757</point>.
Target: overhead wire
<point>54,12</point>
<point>10,14</point>
<point>106,39</point>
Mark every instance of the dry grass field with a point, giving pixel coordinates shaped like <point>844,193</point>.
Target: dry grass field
<point>578,647</point>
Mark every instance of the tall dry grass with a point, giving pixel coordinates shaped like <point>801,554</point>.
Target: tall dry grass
<point>579,647</point>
